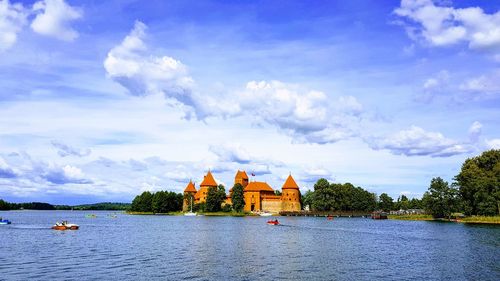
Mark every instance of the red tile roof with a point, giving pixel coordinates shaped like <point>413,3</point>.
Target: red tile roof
<point>190,187</point>
<point>258,186</point>
<point>290,183</point>
<point>241,174</point>
<point>208,180</point>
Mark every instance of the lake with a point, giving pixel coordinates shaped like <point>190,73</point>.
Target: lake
<point>243,248</point>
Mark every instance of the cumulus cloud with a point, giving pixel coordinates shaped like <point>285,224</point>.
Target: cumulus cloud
<point>12,20</point>
<point>493,144</point>
<point>231,153</point>
<point>66,150</point>
<point>5,170</point>
<point>142,74</point>
<point>137,165</point>
<point>475,131</point>
<point>486,85</point>
<point>450,87</point>
<point>306,115</point>
<point>434,86</point>
<point>179,173</point>
<point>418,142</point>
<point>444,25</point>
<point>53,18</point>
<point>66,174</point>
<point>311,175</point>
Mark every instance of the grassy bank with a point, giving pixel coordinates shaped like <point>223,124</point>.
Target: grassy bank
<point>151,213</point>
<point>411,217</point>
<point>481,219</point>
<point>471,219</point>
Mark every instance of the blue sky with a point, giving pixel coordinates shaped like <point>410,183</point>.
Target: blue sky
<point>102,100</point>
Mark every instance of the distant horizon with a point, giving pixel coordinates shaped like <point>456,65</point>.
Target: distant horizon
<point>101,101</point>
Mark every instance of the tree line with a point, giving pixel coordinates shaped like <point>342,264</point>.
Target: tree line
<point>475,190</point>
<point>157,202</point>
<point>5,206</point>
<point>349,198</point>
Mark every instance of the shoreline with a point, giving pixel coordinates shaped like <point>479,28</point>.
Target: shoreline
<point>495,220</point>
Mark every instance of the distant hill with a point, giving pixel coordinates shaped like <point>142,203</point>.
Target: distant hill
<point>111,206</point>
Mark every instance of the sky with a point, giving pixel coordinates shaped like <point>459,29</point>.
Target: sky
<point>102,100</point>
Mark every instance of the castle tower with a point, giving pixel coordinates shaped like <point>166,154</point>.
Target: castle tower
<point>208,181</point>
<point>290,195</point>
<point>241,178</point>
<point>190,190</point>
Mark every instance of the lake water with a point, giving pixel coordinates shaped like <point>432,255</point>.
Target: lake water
<point>231,248</point>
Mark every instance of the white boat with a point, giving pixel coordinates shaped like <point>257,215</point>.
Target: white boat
<point>265,214</point>
<point>190,213</point>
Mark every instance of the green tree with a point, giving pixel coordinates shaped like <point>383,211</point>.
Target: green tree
<point>143,202</point>
<point>323,195</point>
<point>4,206</point>
<point>386,202</point>
<point>307,199</point>
<point>159,202</point>
<point>415,203</point>
<point>402,203</point>
<point>215,197</point>
<point>441,199</point>
<point>237,198</point>
<point>479,184</point>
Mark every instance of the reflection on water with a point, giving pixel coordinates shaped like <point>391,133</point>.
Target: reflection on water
<point>227,248</point>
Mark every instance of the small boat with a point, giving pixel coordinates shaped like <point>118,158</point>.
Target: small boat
<point>4,221</point>
<point>91,216</point>
<point>379,215</point>
<point>65,226</point>
<point>273,222</point>
<point>265,214</point>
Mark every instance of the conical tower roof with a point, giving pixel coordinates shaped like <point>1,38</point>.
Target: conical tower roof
<point>290,183</point>
<point>190,187</point>
<point>208,180</point>
<point>241,174</point>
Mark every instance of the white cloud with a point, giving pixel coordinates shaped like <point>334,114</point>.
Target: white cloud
<point>444,25</point>
<point>311,175</point>
<point>5,170</point>
<point>53,19</point>
<point>475,131</point>
<point>66,150</point>
<point>65,174</point>
<point>454,88</point>
<point>493,144</point>
<point>12,20</point>
<point>231,153</point>
<point>305,115</point>
<point>484,85</point>
<point>418,142</point>
<point>143,74</point>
